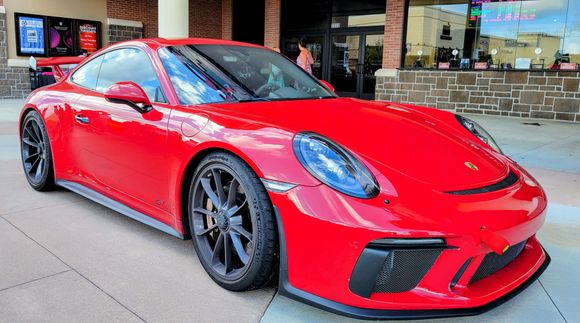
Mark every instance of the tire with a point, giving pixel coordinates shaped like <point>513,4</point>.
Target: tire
<point>243,220</point>
<point>36,153</point>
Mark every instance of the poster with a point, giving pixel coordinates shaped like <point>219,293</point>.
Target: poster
<point>30,35</point>
<point>60,37</point>
<point>88,36</point>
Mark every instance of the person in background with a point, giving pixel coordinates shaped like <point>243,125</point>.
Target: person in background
<point>305,59</point>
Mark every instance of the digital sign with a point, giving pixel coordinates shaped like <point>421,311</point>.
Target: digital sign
<point>60,37</point>
<point>88,35</point>
<point>54,36</point>
<point>489,11</point>
<point>30,35</point>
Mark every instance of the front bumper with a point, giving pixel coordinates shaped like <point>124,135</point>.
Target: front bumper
<point>322,243</point>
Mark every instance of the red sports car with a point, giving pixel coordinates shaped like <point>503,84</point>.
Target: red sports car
<point>368,209</point>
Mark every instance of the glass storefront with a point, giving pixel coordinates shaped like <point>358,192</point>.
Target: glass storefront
<point>345,37</point>
<point>481,34</point>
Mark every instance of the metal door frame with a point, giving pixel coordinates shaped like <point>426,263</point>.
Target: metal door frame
<point>362,32</point>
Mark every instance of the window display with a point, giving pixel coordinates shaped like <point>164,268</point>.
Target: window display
<point>540,34</point>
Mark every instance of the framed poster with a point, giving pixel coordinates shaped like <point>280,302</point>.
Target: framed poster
<point>60,37</point>
<point>88,35</point>
<point>30,35</point>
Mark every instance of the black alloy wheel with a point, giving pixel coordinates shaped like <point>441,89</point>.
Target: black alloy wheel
<point>36,153</point>
<point>232,223</point>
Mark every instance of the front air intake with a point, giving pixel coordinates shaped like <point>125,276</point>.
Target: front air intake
<point>404,269</point>
<point>394,265</point>
<point>493,262</point>
<point>510,180</point>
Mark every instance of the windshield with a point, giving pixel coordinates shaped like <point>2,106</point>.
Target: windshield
<point>221,73</point>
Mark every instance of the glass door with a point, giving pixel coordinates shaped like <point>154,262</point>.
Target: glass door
<point>345,64</point>
<point>373,60</point>
<point>354,59</point>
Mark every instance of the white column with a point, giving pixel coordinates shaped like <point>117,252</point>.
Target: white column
<point>173,18</point>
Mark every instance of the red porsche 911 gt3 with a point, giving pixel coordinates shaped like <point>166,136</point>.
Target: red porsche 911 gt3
<point>368,209</point>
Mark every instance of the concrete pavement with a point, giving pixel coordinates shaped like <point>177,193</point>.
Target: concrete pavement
<point>64,258</point>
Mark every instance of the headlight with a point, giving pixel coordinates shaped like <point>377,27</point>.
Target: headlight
<point>479,132</point>
<point>334,166</point>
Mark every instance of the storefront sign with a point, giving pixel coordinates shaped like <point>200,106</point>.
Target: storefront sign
<point>443,65</point>
<point>480,65</point>
<point>30,36</point>
<point>88,35</point>
<point>60,37</point>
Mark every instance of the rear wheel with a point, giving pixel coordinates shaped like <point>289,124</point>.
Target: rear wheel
<point>232,223</point>
<point>36,153</point>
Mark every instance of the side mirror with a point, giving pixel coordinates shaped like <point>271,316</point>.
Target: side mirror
<point>328,85</point>
<point>129,93</point>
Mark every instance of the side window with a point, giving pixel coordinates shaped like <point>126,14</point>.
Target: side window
<point>191,86</point>
<point>87,75</point>
<point>130,64</point>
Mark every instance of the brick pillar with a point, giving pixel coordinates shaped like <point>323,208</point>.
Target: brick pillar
<point>227,11</point>
<point>14,80</point>
<point>273,10</point>
<point>394,34</point>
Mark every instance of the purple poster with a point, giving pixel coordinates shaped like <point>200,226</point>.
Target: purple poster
<point>60,37</point>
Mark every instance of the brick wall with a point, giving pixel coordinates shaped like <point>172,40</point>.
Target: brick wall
<point>227,7</point>
<point>14,81</point>
<point>118,33</point>
<point>394,26</point>
<point>272,23</point>
<point>541,94</point>
<point>144,11</point>
<point>205,18</point>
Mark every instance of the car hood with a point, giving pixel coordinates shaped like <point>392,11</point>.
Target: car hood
<point>388,137</point>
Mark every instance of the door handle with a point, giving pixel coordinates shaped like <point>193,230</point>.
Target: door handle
<point>81,119</point>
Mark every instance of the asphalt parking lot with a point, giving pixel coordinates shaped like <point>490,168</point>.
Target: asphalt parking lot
<point>64,258</point>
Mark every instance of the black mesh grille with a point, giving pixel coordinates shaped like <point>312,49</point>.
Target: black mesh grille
<point>404,269</point>
<point>493,262</point>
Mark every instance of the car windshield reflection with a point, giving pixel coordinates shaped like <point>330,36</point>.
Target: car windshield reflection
<point>229,73</point>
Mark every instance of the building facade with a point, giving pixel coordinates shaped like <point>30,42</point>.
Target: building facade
<point>508,58</point>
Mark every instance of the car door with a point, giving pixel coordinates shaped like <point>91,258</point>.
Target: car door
<point>123,151</point>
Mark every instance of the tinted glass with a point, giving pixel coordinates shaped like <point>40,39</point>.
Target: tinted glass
<point>263,73</point>
<point>191,85</point>
<point>87,75</point>
<point>305,14</point>
<point>130,64</point>
<point>518,34</point>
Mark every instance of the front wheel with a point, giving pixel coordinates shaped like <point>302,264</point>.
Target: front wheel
<point>36,153</point>
<point>232,223</point>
